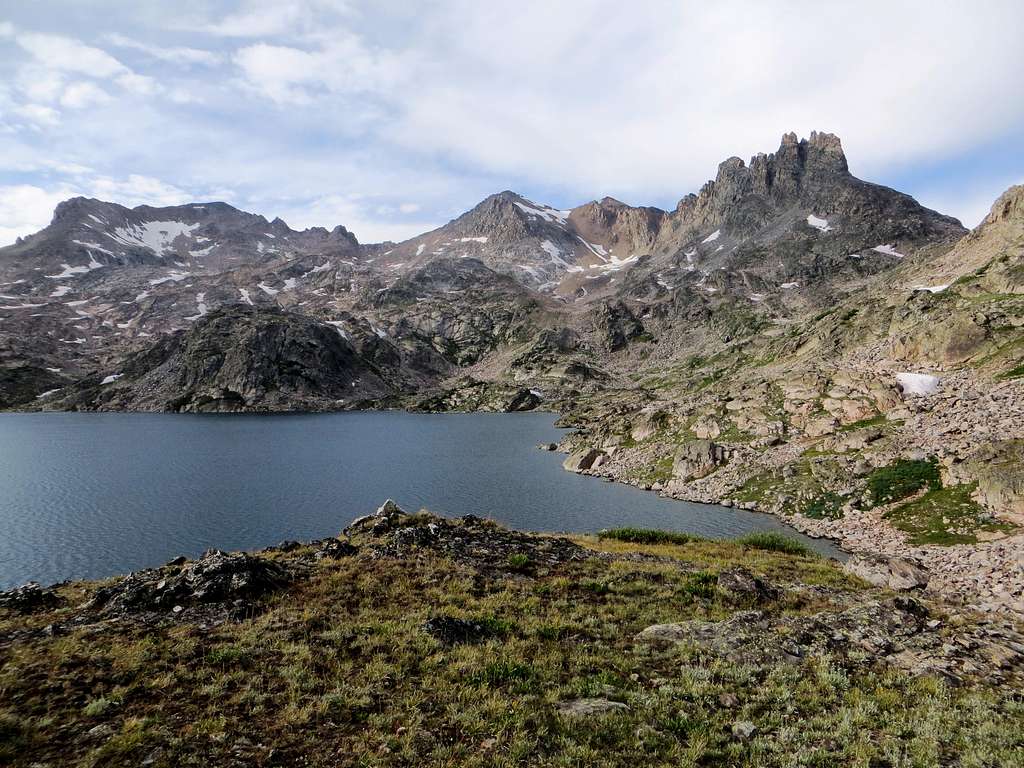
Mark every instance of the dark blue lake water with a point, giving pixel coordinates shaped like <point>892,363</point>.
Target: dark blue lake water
<point>92,495</point>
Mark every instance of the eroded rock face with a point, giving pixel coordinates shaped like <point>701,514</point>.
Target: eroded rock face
<point>898,573</point>
<point>998,469</point>
<point>239,359</point>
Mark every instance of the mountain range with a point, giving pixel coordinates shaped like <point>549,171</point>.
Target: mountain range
<point>104,283</point>
<point>790,339</point>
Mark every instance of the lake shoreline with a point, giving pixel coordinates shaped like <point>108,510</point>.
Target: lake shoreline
<point>110,493</point>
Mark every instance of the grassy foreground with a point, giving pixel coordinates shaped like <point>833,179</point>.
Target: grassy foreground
<point>338,670</point>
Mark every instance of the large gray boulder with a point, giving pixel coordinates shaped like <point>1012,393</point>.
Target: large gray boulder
<point>587,458</point>
<point>697,459</point>
<point>898,573</point>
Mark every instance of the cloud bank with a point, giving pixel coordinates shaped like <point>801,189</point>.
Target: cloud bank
<point>390,119</point>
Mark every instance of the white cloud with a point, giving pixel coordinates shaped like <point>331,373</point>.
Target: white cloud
<point>137,190</point>
<point>83,94</point>
<point>66,54</point>
<point>6,29</point>
<point>38,114</point>
<point>138,84</point>
<point>563,101</point>
<point>342,65</point>
<point>356,213</point>
<point>39,84</point>
<point>25,208</point>
<point>273,18</point>
<point>173,54</point>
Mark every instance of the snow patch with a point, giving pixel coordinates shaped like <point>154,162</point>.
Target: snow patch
<point>93,246</point>
<point>788,286</point>
<point>545,212</point>
<point>482,239</point>
<point>930,288</point>
<point>819,224</point>
<point>158,236</point>
<point>917,383</point>
<point>111,378</point>
<point>202,252</point>
<point>267,289</point>
<point>70,271</point>
<point>888,250</point>
<point>421,249</point>
<point>200,306</point>
<point>712,237</point>
<point>175,276</point>
<point>245,296</point>
<point>61,290</point>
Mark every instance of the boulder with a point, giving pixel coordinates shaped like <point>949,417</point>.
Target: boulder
<point>216,577</point>
<point>334,549</point>
<point>898,573</point>
<point>740,585</point>
<point>523,400</point>
<point>28,598</point>
<point>697,459</point>
<point>707,427</point>
<point>587,458</point>
<point>648,423</point>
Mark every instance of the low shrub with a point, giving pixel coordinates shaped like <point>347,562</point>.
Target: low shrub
<point>774,542</point>
<point>648,536</point>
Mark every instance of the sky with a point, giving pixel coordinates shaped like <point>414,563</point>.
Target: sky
<point>392,117</point>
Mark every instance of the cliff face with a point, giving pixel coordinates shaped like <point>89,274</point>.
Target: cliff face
<point>240,359</point>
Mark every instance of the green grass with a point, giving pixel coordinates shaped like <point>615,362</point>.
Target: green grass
<point>944,517</point>
<point>1013,373</point>
<point>339,671</point>
<point>648,536</point>
<point>774,542</point>
<point>828,505</point>
<point>901,479</point>
<point>518,562</point>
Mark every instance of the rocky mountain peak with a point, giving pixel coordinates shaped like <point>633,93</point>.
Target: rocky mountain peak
<point>1009,207</point>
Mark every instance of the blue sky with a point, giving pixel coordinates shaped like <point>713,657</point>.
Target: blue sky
<point>393,117</point>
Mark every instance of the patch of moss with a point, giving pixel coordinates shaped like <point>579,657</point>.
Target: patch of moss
<point>945,516</point>
<point>828,505</point>
<point>903,478</point>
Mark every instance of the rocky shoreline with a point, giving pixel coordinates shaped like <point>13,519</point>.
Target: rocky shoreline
<point>963,428</point>
<point>987,576</point>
